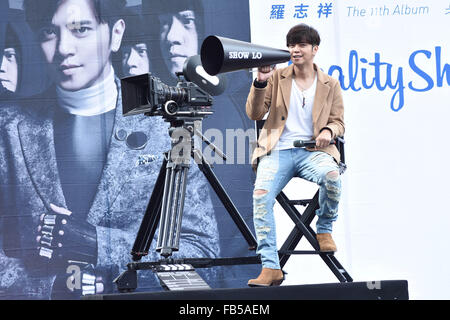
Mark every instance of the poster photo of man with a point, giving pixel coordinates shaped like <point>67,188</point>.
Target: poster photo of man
<point>73,186</point>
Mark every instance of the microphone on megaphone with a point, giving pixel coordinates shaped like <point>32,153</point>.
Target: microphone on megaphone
<point>219,55</point>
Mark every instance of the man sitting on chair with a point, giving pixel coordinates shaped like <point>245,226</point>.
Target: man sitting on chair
<point>303,103</point>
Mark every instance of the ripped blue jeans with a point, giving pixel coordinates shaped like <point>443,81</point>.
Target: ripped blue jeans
<point>274,172</point>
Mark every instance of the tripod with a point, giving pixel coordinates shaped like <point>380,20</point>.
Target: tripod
<point>166,209</point>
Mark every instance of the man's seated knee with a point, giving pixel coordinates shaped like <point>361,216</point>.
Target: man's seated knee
<point>260,192</point>
<point>332,185</point>
<point>332,178</point>
<point>332,175</point>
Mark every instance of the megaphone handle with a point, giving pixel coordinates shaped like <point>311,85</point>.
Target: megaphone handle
<point>272,66</point>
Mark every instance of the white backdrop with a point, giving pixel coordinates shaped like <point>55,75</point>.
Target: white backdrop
<point>394,218</point>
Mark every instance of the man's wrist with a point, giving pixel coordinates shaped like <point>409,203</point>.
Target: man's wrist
<point>326,128</point>
<point>259,84</point>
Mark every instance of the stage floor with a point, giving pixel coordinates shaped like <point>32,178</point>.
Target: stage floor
<point>371,290</point>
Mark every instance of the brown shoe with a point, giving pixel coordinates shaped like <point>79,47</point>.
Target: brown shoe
<point>268,277</point>
<point>326,242</point>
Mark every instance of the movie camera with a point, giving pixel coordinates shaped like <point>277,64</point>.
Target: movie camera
<point>183,105</point>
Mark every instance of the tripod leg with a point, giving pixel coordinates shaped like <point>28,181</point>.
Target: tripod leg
<point>228,204</point>
<point>172,210</point>
<point>165,210</point>
<point>151,217</point>
<point>177,231</point>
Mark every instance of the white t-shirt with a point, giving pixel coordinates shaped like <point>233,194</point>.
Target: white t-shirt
<point>299,124</point>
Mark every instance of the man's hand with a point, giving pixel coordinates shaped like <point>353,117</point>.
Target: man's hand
<point>323,139</point>
<point>61,238</point>
<point>264,73</point>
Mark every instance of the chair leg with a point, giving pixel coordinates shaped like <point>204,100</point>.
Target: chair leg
<point>303,228</point>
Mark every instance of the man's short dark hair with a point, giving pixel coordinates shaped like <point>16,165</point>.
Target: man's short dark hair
<point>302,33</point>
<point>155,7</point>
<point>39,12</point>
<point>11,39</point>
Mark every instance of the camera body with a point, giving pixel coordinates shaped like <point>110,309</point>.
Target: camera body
<point>149,95</point>
<point>182,100</point>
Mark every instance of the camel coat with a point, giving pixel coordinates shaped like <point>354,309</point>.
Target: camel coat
<point>328,110</point>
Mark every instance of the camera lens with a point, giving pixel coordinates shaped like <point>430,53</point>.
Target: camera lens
<point>170,107</point>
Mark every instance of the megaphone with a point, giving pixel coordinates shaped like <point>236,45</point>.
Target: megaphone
<point>193,71</point>
<point>219,55</point>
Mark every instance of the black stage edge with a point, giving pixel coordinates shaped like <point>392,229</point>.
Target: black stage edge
<point>371,290</point>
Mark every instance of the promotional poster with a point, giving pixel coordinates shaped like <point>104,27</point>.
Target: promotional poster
<point>76,175</point>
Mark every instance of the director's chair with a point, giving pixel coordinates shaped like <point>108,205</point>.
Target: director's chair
<point>302,223</point>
